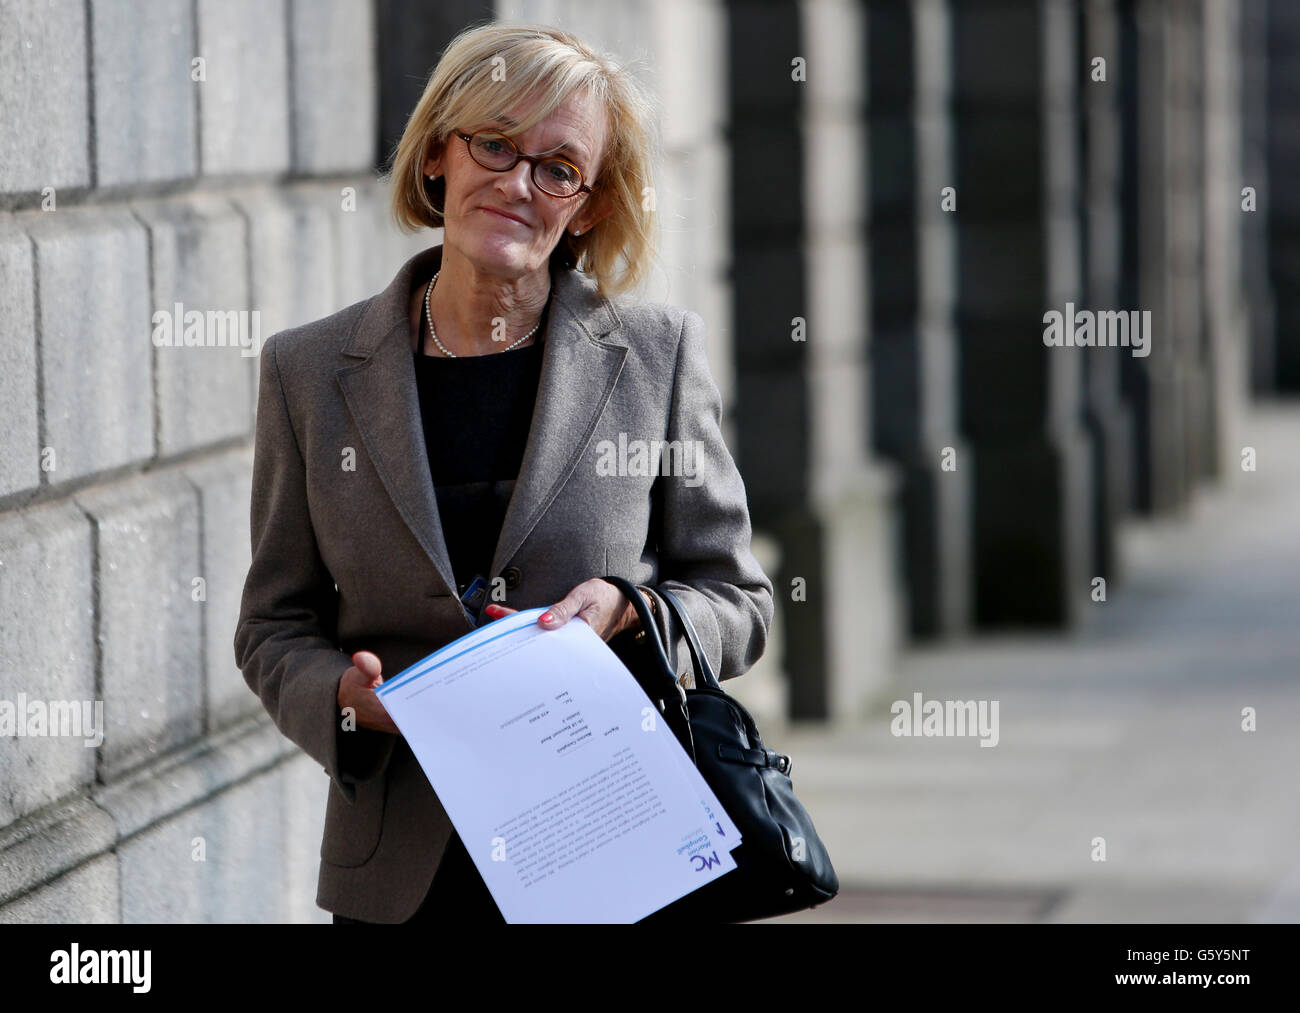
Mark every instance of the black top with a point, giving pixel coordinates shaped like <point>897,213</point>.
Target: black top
<point>477,411</point>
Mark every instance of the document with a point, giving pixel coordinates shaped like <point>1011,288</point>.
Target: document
<point>568,788</point>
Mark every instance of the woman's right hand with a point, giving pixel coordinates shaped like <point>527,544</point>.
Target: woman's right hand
<point>357,690</point>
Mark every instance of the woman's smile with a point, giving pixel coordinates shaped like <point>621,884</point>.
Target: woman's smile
<point>506,215</point>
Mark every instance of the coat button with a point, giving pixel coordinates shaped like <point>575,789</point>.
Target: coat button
<point>512,576</point>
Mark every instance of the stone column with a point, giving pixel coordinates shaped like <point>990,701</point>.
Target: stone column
<point>1283,200</point>
<point>1106,416</point>
<point>1018,258</point>
<point>913,348</point>
<point>1156,386</point>
<point>1227,319</point>
<point>1184,135</point>
<point>800,264</point>
<point>1252,109</point>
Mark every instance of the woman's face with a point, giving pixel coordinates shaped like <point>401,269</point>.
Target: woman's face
<point>500,245</point>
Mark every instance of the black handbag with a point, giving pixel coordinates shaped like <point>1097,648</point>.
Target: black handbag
<point>781,864</point>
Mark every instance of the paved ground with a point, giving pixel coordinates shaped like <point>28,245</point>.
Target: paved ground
<point>1128,728</point>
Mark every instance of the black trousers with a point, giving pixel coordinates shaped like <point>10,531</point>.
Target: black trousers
<point>457,891</point>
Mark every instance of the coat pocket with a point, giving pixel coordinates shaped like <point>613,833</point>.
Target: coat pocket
<point>353,829</point>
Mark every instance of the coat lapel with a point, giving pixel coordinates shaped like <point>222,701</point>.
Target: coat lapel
<point>580,366</point>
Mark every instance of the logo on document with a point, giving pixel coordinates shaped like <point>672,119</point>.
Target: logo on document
<point>706,861</point>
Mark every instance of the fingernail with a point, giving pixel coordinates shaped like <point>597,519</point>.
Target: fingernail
<point>547,617</point>
<point>492,609</point>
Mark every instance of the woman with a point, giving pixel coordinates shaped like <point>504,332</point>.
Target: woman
<point>470,427</point>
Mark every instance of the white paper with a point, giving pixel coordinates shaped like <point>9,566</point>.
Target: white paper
<point>568,788</point>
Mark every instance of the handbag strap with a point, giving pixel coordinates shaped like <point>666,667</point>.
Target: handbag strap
<point>679,719</point>
<point>701,666</point>
<point>658,656</point>
<point>700,659</point>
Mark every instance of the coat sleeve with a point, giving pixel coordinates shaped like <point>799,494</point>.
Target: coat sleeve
<point>705,555</point>
<point>286,641</point>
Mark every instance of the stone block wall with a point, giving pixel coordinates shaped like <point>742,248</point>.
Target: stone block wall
<point>155,153</point>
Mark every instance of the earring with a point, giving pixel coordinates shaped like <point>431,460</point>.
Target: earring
<point>432,179</point>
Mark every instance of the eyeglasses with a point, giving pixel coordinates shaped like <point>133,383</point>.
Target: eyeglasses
<point>494,150</point>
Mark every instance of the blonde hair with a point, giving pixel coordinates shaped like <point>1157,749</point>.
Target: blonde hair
<point>491,68</point>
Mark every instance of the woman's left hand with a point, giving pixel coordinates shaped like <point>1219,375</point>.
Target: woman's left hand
<point>596,602</point>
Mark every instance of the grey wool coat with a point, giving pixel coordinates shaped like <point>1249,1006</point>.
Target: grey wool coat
<point>355,559</point>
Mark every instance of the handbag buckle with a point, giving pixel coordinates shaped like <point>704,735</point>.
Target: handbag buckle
<point>758,757</point>
<point>663,700</point>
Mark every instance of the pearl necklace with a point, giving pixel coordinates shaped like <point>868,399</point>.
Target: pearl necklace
<point>433,334</point>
